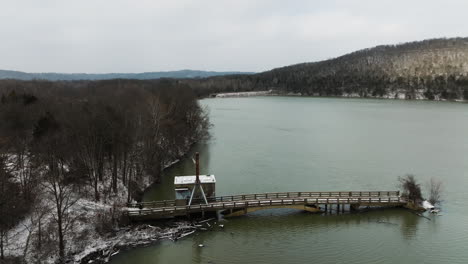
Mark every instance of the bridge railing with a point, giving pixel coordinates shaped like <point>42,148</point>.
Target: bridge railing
<point>267,196</point>
<point>175,210</point>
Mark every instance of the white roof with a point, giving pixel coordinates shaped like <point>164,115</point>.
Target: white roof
<point>191,179</point>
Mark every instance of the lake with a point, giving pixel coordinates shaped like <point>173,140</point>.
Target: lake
<point>279,144</point>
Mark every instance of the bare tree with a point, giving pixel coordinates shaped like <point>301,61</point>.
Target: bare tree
<point>51,146</point>
<point>62,197</point>
<point>411,189</point>
<point>435,190</point>
<point>3,208</point>
<point>10,210</point>
<point>38,213</point>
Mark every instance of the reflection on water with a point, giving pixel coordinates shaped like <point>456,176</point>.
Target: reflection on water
<point>409,225</point>
<point>280,235</point>
<point>319,144</point>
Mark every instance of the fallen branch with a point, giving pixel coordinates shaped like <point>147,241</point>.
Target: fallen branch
<point>423,216</point>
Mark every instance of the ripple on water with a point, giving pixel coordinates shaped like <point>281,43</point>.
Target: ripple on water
<point>332,144</point>
<point>296,238</point>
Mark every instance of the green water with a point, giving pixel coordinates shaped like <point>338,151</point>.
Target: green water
<point>270,144</point>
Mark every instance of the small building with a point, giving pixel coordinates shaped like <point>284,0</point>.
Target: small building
<point>185,184</point>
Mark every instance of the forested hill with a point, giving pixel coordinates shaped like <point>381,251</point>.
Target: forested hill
<point>429,69</point>
<point>18,75</point>
<point>432,69</point>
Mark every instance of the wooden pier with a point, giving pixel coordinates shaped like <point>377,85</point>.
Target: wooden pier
<point>235,205</point>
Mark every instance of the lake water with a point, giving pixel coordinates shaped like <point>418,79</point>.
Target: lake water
<point>278,144</point>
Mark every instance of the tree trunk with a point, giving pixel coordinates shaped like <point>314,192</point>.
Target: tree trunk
<point>61,242</point>
<point>124,169</point>
<point>60,232</point>
<point>114,174</point>
<point>39,236</point>
<point>100,169</point>
<point>128,184</point>
<point>1,244</point>
<point>96,193</point>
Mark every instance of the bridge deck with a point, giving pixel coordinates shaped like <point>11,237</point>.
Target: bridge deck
<point>161,209</point>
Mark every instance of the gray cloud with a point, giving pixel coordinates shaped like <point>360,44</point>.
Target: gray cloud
<point>135,36</point>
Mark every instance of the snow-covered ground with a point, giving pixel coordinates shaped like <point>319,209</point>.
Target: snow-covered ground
<point>85,237</point>
<point>243,94</point>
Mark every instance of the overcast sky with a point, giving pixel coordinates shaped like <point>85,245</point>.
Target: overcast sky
<point>98,36</point>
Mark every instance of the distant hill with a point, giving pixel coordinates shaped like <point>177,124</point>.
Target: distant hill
<point>4,74</point>
<point>434,69</point>
<point>431,69</point>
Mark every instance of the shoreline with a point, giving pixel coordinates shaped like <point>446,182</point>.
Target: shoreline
<point>95,234</point>
<point>132,236</point>
<point>273,93</point>
<point>187,228</point>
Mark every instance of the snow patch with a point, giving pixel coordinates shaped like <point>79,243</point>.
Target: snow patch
<point>427,205</point>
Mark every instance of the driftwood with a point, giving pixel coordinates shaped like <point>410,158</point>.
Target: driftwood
<point>149,234</point>
<point>207,220</point>
<point>423,216</point>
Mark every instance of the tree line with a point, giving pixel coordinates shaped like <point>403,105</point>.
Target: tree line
<point>430,69</point>
<point>95,139</point>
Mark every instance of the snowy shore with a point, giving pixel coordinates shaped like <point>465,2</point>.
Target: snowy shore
<point>398,94</point>
<point>243,94</point>
<point>93,235</point>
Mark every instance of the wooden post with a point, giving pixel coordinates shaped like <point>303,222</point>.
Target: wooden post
<point>197,168</point>
<point>197,180</point>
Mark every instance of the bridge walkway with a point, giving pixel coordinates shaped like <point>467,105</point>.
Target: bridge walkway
<point>243,203</point>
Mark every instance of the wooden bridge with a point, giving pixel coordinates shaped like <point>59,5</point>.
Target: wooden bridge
<point>235,205</point>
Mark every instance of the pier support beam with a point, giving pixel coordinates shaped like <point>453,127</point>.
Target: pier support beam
<point>353,207</point>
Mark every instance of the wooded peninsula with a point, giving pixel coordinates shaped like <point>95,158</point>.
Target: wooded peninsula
<point>73,153</point>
